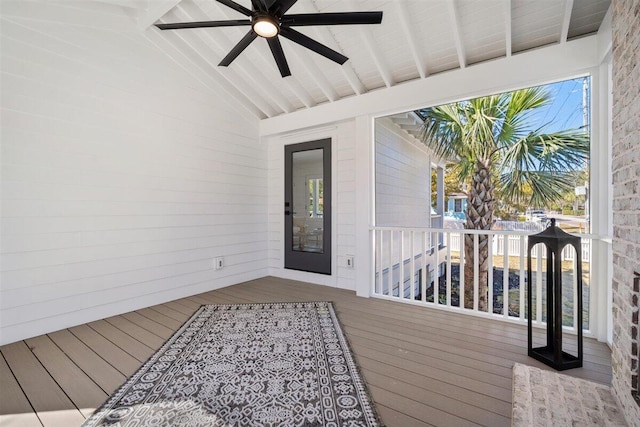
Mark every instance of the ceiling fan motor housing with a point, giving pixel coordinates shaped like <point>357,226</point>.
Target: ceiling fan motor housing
<point>265,25</point>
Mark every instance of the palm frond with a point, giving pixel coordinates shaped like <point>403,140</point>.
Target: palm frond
<point>543,186</point>
<point>442,131</point>
<point>520,104</point>
<point>559,151</point>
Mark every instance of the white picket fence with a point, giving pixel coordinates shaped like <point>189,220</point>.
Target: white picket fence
<point>513,243</point>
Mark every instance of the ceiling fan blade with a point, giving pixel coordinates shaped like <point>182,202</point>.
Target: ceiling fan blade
<point>278,55</point>
<point>339,18</point>
<point>315,46</point>
<point>235,6</point>
<point>204,24</point>
<point>237,49</point>
<point>279,8</point>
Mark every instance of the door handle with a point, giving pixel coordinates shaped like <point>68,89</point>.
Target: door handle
<point>287,212</point>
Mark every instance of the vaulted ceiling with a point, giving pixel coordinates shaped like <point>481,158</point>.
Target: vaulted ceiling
<point>416,39</point>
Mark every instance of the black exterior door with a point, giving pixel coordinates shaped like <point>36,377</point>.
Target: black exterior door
<point>307,206</point>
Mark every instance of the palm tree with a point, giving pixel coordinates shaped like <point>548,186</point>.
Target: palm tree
<point>496,150</point>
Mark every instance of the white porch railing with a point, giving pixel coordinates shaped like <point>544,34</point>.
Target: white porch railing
<point>426,267</point>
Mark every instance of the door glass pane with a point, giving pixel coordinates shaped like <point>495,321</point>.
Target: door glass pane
<point>308,201</point>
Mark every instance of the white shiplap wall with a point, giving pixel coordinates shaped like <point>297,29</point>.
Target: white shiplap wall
<point>122,176</point>
<point>403,178</point>
<point>343,158</point>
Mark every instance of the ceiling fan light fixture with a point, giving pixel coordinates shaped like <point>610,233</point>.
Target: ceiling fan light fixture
<point>266,26</point>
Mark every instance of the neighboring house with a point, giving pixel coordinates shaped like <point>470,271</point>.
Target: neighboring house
<point>457,207</point>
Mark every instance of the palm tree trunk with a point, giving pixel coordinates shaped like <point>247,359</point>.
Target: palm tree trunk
<point>479,217</point>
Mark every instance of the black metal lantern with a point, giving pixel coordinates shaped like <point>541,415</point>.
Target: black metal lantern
<point>551,354</point>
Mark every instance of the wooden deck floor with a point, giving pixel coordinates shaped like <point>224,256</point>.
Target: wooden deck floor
<point>422,366</point>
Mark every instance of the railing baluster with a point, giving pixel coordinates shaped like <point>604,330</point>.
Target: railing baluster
<point>377,236</point>
<point>490,273</point>
<point>461,273</point>
<point>448,270</point>
<point>391,263</point>
<point>476,272</point>
<point>522,285</point>
<point>412,271</point>
<point>436,275</point>
<point>505,277</point>
<point>401,267</point>
<point>425,269</point>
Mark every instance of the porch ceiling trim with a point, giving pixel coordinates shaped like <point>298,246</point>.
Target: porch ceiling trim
<point>534,67</point>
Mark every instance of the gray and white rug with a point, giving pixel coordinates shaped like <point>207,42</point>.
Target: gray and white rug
<point>276,364</point>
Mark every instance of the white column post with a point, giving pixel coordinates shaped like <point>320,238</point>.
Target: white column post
<point>601,202</point>
<point>364,215</point>
<point>440,196</point>
<point>429,196</point>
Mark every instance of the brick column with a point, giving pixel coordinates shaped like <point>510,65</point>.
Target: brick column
<point>626,203</point>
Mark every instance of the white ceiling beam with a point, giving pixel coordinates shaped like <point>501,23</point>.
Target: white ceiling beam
<point>300,92</point>
<point>324,36</point>
<point>156,10</point>
<point>304,58</point>
<point>173,47</point>
<point>566,20</point>
<point>352,78</point>
<point>404,23</point>
<point>457,36</point>
<point>188,11</point>
<point>507,27</point>
<point>531,68</point>
<point>267,61</point>
<point>366,36</point>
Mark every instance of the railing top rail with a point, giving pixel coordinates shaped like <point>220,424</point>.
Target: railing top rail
<point>494,232</point>
<point>451,230</point>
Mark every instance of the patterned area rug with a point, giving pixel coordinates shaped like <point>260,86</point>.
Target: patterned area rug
<point>277,364</point>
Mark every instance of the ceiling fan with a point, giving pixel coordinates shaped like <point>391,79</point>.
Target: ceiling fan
<point>268,19</point>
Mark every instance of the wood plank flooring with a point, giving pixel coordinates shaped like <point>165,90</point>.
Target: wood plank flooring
<point>423,366</point>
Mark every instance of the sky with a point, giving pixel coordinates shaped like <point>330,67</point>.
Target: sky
<point>565,111</point>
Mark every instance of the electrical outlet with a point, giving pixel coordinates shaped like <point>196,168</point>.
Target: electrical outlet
<point>349,261</point>
<point>219,263</point>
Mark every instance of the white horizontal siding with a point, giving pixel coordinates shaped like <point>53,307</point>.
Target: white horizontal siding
<point>122,176</point>
<point>345,204</point>
<point>403,178</point>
